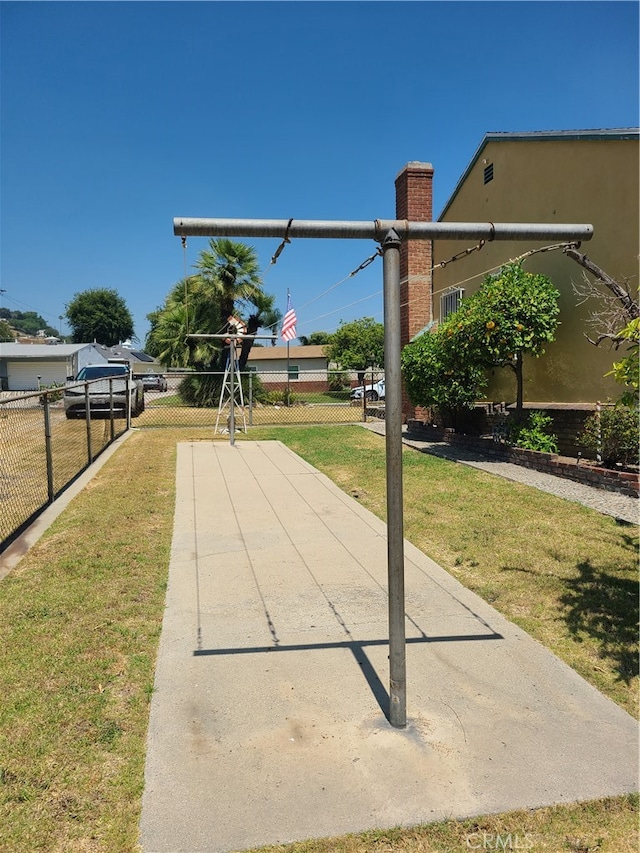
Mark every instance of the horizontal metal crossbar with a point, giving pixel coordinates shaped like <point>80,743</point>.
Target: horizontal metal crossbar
<point>378,229</point>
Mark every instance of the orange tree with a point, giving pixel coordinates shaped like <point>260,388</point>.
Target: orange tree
<point>439,373</point>
<point>514,313</point>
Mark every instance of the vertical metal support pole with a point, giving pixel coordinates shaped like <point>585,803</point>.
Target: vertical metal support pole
<point>112,426</point>
<point>129,388</point>
<point>250,398</point>
<point>232,392</point>
<point>393,437</point>
<point>288,400</point>
<point>87,415</point>
<point>47,445</point>
<point>364,397</point>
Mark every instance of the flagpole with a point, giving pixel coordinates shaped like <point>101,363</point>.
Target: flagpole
<point>288,373</point>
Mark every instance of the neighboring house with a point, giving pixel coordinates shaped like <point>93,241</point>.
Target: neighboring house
<point>141,363</point>
<point>306,369</point>
<point>571,176</point>
<point>27,367</point>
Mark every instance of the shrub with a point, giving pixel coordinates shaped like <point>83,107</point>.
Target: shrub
<point>532,435</point>
<point>338,380</point>
<point>201,389</point>
<point>277,398</point>
<point>54,392</point>
<point>614,435</point>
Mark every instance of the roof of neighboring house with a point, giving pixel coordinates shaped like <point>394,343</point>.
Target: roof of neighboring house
<point>620,133</point>
<point>52,351</point>
<point>121,351</point>
<point>297,352</point>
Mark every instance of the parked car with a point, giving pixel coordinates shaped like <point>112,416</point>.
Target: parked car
<point>154,382</point>
<point>373,391</point>
<point>107,390</point>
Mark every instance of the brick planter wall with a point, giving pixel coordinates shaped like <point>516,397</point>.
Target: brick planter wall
<point>624,482</point>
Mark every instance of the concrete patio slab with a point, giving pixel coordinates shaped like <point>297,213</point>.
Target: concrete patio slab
<point>268,721</point>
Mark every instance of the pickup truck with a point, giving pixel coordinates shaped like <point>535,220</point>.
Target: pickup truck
<point>107,390</point>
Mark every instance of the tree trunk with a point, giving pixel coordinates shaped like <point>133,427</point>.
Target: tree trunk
<point>519,388</point>
<point>628,303</point>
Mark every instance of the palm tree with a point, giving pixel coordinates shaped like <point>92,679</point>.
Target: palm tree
<point>190,308</point>
<point>231,269</point>
<point>227,284</point>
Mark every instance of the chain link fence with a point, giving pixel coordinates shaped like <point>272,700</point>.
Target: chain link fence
<point>267,398</point>
<point>43,451</point>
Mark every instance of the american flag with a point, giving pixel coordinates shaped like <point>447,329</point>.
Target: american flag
<point>289,322</point>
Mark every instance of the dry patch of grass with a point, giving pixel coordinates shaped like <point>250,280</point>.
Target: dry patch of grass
<point>605,826</point>
<point>81,617</point>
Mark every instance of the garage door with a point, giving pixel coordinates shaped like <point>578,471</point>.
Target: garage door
<point>23,375</point>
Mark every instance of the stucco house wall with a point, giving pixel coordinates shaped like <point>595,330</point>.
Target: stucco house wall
<point>307,367</point>
<point>565,177</point>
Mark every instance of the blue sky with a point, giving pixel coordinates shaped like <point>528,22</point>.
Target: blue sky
<point>117,117</point>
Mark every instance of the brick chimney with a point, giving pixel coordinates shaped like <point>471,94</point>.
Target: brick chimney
<point>414,202</point>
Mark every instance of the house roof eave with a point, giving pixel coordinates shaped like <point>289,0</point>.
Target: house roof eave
<point>537,135</point>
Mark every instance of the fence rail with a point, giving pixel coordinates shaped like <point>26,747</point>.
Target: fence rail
<point>268,398</point>
<point>43,450</point>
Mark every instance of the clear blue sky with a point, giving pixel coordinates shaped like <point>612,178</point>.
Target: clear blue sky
<point>116,117</point>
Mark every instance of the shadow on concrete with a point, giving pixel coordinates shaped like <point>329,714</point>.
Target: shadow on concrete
<point>357,649</point>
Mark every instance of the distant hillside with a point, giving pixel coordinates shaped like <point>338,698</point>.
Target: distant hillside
<point>27,322</point>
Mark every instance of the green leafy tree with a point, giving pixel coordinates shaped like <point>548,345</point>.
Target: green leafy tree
<point>357,345</point>
<point>512,315</point>
<point>231,271</point>
<point>190,308</point>
<point>5,331</point>
<point>226,285</point>
<point>27,322</point>
<point>314,339</point>
<point>626,371</point>
<point>437,373</point>
<point>99,315</point>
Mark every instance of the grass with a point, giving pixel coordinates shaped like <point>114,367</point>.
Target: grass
<point>605,826</point>
<point>169,415</point>
<point>81,617</point>
<point>23,475</point>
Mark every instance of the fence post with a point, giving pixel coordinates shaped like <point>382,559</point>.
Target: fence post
<point>47,445</point>
<point>87,418</point>
<point>112,426</point>
<point>250,398</point>
<point>128,405</point>
<point>364,397</point>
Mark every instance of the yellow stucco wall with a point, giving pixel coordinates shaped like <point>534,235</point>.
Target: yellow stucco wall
<point>557,181</point>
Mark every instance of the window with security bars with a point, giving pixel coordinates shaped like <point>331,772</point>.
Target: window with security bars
<point>450,302</point>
